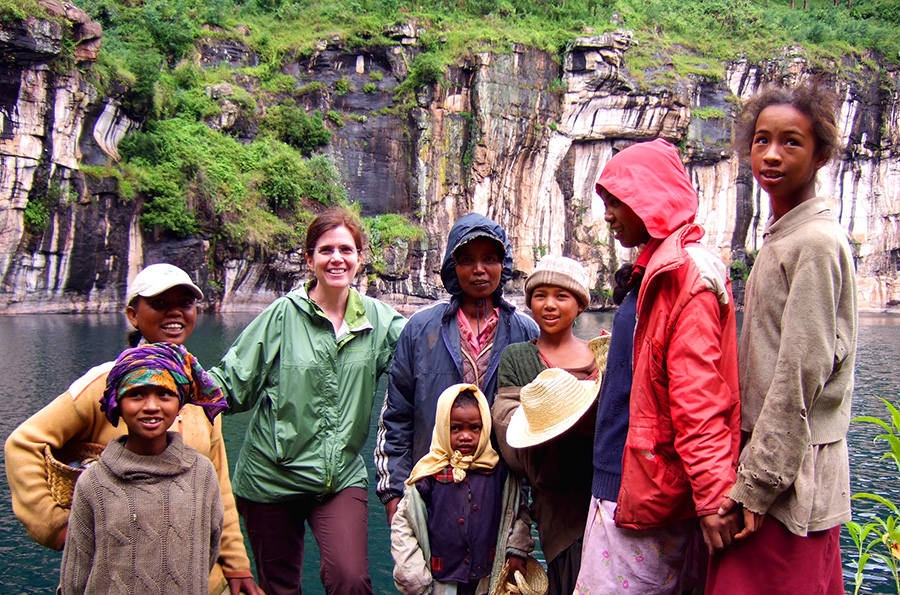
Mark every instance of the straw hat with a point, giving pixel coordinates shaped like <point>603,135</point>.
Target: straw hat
<point>550,404</point>
<point>600,347</point>
<point>534,582</point>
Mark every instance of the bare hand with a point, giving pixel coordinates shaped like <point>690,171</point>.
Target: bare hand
<point>752,520</point>
<point>515,563</point>
<point>719,530</point>
<point>244,585</point>
<point>61,539</point>
<point>391,509</point>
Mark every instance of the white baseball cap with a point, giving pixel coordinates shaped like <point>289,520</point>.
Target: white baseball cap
<point>157,278</point>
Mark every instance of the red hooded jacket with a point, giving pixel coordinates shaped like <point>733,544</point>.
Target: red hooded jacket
<point>684,422</point>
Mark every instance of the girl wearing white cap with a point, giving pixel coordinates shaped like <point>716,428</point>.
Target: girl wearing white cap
<point>556,456</point>
<point>162,308</point>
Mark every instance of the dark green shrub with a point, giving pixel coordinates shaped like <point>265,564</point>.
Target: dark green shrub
<point>172,26</point>
<point>322,182</point>
<point>342,86</point>
<point>293,126</point>
<point>335,118</point>
<point>886,10</point>
<point>427,69</point>
<point>287,179</point>
<point>165,206</point>
<point>37,216</point>
<point>387,230</point>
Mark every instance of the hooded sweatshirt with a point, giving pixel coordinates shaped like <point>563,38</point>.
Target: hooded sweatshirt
<point>429,359</point>
<point>684,412</point>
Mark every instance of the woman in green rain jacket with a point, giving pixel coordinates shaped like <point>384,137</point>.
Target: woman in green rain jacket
<point>308,367</point>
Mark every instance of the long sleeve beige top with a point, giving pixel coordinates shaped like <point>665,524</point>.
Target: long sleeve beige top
<point>797,353</point>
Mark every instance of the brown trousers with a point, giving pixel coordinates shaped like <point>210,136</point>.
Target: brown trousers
<point>340,526</point>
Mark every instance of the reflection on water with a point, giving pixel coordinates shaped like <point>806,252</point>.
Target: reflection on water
<point>41,355</point>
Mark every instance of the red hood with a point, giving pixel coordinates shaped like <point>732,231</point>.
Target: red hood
<point>650,178</point>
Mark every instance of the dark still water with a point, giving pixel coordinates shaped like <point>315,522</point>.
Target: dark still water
<point>41,355</point>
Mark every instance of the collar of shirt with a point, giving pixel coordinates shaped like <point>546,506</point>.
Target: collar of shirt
<point>477,341</point>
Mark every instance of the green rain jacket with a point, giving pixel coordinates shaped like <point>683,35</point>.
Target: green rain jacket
<point>311,395</point>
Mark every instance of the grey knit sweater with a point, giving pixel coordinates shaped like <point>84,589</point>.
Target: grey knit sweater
<point>143,524</point>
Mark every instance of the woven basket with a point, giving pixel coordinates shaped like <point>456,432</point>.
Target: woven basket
<point>60,476</point>
<point>600,347</point>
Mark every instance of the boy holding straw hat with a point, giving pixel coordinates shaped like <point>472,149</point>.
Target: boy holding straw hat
<point>553,450</point>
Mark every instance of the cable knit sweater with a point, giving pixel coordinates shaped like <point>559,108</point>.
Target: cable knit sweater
<point>75,416</point>
<point>143,524</point>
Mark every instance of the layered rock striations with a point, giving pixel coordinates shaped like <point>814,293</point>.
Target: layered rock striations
<point>51,122</point>
<point>514,135</point>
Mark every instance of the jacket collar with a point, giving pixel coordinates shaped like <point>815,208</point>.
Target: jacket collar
<point>354,315</point>
<point>450,312</point>
<point>670,254</point>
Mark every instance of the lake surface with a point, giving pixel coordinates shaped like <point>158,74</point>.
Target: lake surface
<point>41,355</point>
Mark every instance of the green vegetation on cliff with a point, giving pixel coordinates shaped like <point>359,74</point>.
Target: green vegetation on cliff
<point>259,188</point>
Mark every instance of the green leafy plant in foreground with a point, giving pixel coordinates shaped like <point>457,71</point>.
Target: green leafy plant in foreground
<point>880,538</point>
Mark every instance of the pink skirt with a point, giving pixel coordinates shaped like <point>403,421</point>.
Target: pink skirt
<point>617,561</point>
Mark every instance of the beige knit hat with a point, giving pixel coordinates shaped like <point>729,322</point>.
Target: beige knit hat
<point>550,404</point>
<point>559,271</point>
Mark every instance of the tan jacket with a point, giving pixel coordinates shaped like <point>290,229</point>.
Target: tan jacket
<point>797,360</point>
<point>75,416</point>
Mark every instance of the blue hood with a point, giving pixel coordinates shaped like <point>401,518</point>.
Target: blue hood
<point>468,228</point>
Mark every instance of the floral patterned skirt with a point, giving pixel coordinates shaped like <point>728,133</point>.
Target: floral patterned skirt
<point>617,561</point>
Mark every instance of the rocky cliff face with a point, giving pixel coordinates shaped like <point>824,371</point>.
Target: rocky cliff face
<point>516,136</point>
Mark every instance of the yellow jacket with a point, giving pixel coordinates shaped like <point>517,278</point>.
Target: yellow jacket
<point>75,415</point>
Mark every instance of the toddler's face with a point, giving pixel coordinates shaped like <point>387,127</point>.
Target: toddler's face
<point>148,412</point>
<point>465,428</point>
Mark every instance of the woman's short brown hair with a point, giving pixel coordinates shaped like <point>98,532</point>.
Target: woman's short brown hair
<point>812,98</point>
<point>330,219</point>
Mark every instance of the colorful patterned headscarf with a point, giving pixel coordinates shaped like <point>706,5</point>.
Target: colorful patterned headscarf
<point>166,365</point>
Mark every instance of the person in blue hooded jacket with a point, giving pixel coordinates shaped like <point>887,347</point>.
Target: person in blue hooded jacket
<point>445,344</point>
